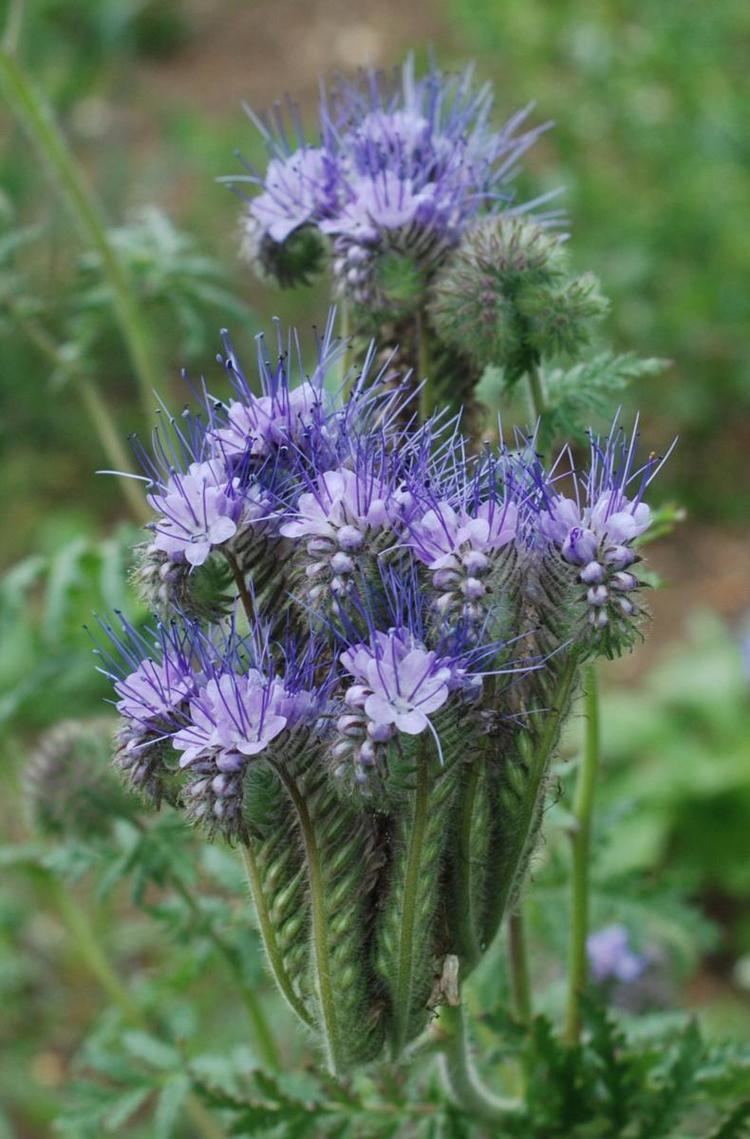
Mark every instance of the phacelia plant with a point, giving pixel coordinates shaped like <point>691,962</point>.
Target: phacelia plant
<point>369,626</point>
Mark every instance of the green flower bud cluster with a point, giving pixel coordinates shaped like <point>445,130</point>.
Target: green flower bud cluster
<point>70,786</point>
<point>506,296</point>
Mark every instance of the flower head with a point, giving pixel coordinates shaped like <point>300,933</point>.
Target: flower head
<point>198,510</point>
<point>401,169</point>
<point>594,535</point>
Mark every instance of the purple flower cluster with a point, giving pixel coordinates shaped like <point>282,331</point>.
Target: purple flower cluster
<point>595,531</point>
<point>400,168</point>
<point>397,571</point>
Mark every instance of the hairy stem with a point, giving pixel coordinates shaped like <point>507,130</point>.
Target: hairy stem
<point>515,854</point>
<point>270,945</point>
<point>323,972</point>
<point>519,968</point>
<point>239,578</point>
<point>583,808</point>
<point>537,395</point>
<point>426,397</point>
<point>38,121</point>
<point>463,901</point>
<point>94,405</point>
<point>404,980</point>
<point>461,1078</point>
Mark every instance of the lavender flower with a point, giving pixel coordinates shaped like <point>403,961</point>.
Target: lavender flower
<point>347,514</point>
<point>611,957</point>
<point>230,718</point>
<point>460,547</point>
<point>400,684</point>
<point>295,192</point>
<point>364,583</point>
<point>400,681</point>
<point>200,510</point>
<point>595,536</point>
<point>154,677</point>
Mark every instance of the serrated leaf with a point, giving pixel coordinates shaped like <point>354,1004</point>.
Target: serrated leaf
<point>124,1107</point>
<point>153,1052</point>
<point>578,394</point>
<point>169,1104</point>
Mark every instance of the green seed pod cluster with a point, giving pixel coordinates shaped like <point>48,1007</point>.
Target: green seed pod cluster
<point>505,296</point>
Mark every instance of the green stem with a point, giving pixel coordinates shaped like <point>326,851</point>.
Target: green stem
<point>345,333</point>
<point>536,391</point>
<point>468,947</point>
<point>95,407</point>
<point>270,943</point>
<point>404,981</point>
<point>39,123</point>
<point>460,1075</point>
<point>538,767</point>
<point>323,972</point>
<point>426,401</point>
<point>96,960</point>
<point>13,24</point>
<point>239,578</point>
<point>583,808</point>
<point>519,968</point>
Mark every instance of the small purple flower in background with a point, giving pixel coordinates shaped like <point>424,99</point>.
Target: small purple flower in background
<point>611,957</point>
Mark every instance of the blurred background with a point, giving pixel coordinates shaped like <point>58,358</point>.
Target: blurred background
<point>650,104</point>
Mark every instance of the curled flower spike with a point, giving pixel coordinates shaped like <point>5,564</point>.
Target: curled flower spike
<point>461,548</point>
<point>154,675</point>
<point>400,170</point>
<point>596,538</point>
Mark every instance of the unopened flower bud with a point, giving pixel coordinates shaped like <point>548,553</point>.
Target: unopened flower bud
<point>70,785</point>
<point>473,588</point>
<point>341,563</point>
<point>620,557</point>
<point>624,581</point>
<point>598,595</point>
<point>475,562</point>
<point>592,574</point>
<point>350,538</point>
